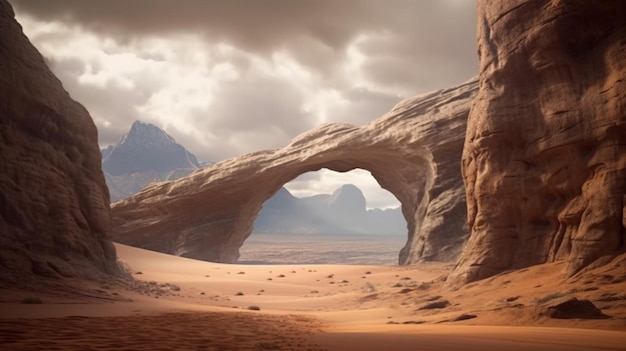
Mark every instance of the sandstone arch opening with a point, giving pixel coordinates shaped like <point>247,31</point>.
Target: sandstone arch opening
<point>209,214</point>
<point>327,217</point>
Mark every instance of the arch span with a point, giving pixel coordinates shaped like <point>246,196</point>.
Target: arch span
<point>413,151</point>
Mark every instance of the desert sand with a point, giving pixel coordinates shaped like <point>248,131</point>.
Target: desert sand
<point>183,304</point>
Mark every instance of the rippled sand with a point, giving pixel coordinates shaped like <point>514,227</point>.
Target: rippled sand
<point>182,304</point>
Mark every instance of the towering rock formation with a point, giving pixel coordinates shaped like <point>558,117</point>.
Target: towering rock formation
<point>54,204</point>
<point>413,151</point>
<point>544,160</point>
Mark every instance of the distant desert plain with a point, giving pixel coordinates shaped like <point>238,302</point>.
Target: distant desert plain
<point>182,304</point>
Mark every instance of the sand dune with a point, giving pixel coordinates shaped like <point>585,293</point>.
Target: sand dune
<point>184,304</point>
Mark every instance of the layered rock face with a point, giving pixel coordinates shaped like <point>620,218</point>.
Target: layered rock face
<point>413,151</point>
<point>54,204</point>
<point>544,160</point>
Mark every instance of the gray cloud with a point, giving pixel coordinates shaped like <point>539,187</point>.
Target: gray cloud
<point>259,25</point>
<point>364,106</point>
<point>98,99</point>
<point>258,104</point>
<point>251,113</point>
<point>316,32</point>
<point>286,66</point>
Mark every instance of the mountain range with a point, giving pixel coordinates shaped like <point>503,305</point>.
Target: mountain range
<point>342,212</point>
<point>147,154</point>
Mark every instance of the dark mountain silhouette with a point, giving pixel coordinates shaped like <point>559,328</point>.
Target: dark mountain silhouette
<point>342,212</point>
<point>145,154</point>
<point>146,147</point>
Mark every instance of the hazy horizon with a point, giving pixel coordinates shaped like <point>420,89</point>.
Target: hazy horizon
<point>277,249</point>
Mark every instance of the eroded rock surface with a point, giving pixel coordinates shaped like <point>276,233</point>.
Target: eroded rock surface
<point>54,204</point>
<point>413,151</point>
<point>544,160</point>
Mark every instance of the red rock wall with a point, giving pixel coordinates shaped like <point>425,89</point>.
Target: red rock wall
<point>544,161</point>
<point>54,204</point>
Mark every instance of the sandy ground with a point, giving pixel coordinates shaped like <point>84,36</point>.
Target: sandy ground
<point>182,304</point>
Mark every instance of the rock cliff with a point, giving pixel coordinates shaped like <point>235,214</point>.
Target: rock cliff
<point>54,204</point>
<point>544,160</point>
<point>413,151</point>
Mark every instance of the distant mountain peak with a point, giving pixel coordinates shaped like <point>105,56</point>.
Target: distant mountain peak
<point>348,196</point>
<point>143,134</point>
<point>342,212</point>
<point>146,147</point>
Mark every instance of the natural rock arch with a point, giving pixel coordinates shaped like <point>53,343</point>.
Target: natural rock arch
<point>412,151</point>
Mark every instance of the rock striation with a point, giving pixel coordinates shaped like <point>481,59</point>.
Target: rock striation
<point>544,160</point>
<point>413,151</point>
<point>54,204</point>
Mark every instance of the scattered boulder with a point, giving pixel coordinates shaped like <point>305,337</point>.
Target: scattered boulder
<point>370,297</point>
<point>368,287</point>
<point>464,316</point>
<point>574,308</point>
<point>435,305</point>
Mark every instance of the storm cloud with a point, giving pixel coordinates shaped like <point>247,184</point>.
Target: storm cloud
<point>230,77</point>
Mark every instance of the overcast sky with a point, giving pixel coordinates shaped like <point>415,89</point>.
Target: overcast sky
<point>225,78</point>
